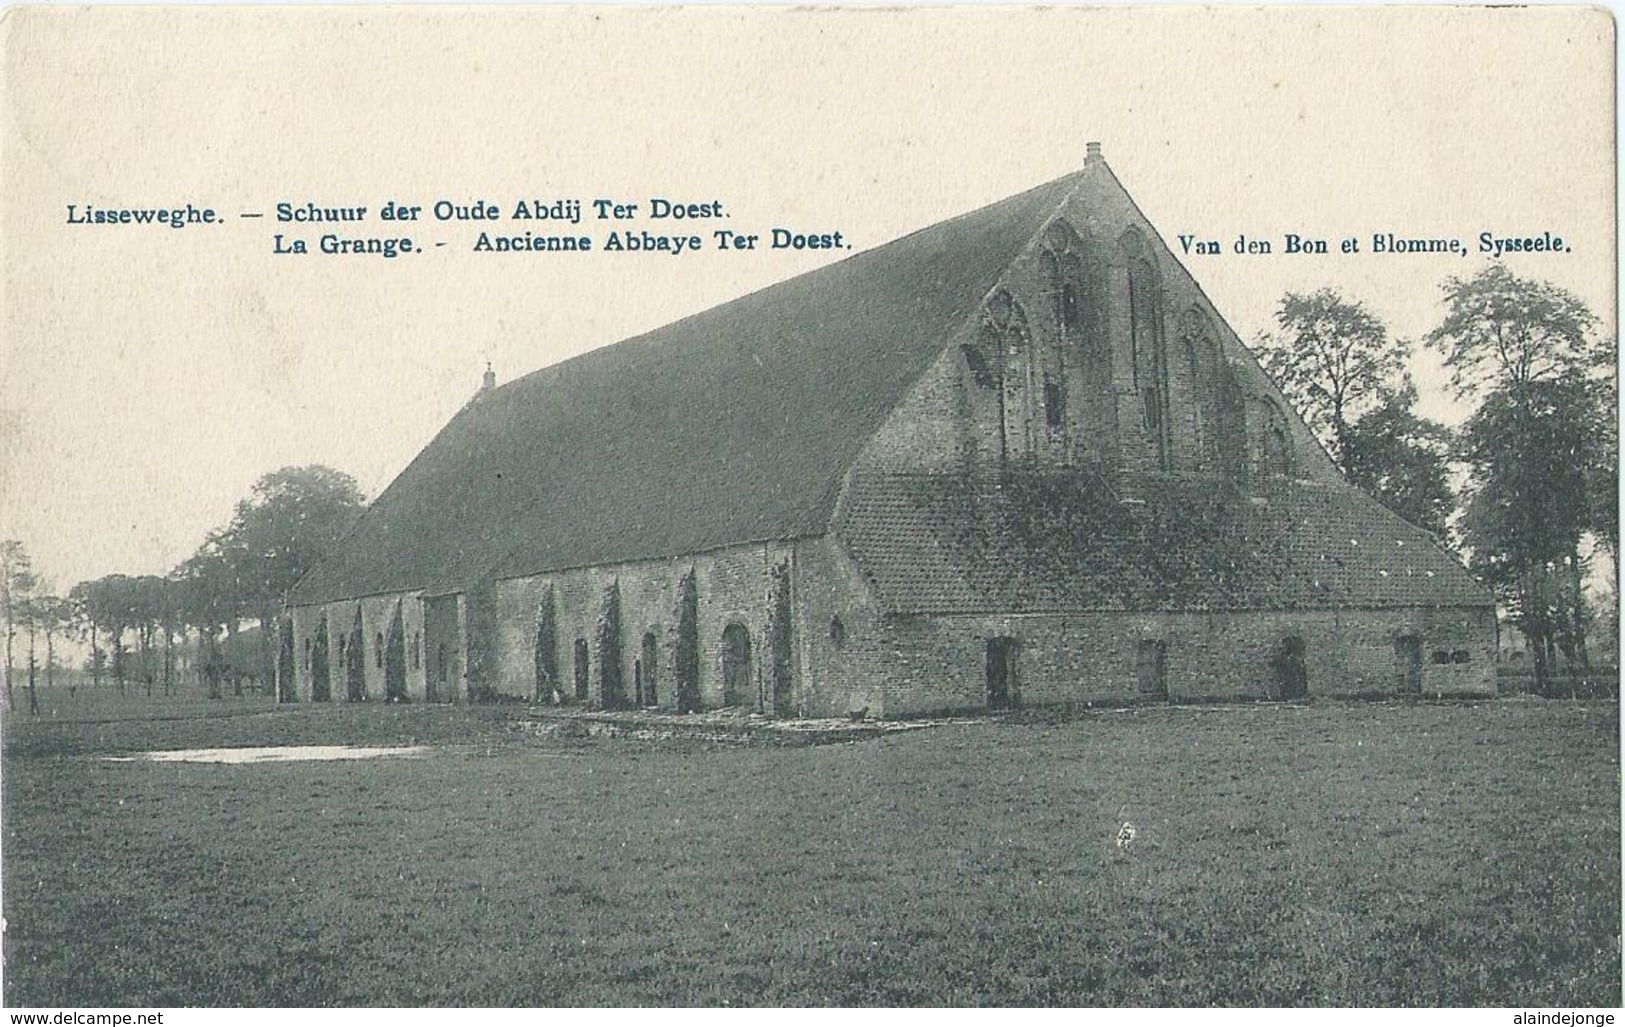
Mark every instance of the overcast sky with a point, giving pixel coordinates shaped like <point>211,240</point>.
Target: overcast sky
<point>151,374</point>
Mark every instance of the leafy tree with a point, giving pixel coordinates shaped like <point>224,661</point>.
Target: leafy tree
<point>291,519</point>
<point>1335,361</point>
<point>208,599</point>
<point>17,586</point>
<point>55,617</point>
<point>1533,454</point>
<point>1502,332</point>
<point>147,600</point>
<point>110,603</point>
<point>1402,460</point>
<point>1603,480</point>
<point>30,612</point>
<point>1538,446</point>
<point>82,596</point>
<point>39,613</point>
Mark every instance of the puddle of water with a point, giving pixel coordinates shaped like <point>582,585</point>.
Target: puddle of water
<point>273,754</point>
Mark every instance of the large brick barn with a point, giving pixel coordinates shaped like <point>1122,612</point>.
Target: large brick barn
<point>1013,458</point>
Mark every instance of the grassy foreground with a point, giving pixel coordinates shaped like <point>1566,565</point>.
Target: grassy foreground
<point>1330,854</point>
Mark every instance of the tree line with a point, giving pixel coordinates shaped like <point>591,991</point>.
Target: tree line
<point>1537,458</point>
<point>239,576</point>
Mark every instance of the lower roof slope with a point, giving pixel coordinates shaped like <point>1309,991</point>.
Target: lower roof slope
<point>1063,541</point>
<point>733,425</point>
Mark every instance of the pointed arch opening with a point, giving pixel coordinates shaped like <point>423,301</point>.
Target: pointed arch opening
<point>1205,366</point>
<point>1277,450</point>
<point>1148,345</point>
<point>738,687</point>
<point>321,688</point>
<point>395,658</point>
<point>1007,335</point>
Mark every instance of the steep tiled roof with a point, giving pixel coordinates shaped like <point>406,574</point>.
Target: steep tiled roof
<point>1037,542</point>
<point>733,425</point>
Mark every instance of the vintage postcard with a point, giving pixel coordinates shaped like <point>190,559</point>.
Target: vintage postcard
<point>712,506</point>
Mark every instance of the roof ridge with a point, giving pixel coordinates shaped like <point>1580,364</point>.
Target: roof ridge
<point>857,255</point>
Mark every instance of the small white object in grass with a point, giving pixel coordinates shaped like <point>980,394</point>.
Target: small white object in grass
<point>1125,835</point>
<point>273,754</point>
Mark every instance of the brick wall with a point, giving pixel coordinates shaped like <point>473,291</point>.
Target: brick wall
<point>936,425</point>
<point>444,661</point>
<point>930,664</point>
<point>842,651</point>
<point>376,614</point>
<point>733,588</point>
<point>951,419</point>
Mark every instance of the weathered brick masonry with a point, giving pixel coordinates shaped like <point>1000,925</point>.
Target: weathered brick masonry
<point>928,664</point>
<point>1014,458</point>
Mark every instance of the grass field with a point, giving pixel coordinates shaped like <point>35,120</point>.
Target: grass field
<point>1328,854</point>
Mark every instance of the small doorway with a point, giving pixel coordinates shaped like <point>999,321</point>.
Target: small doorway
<point>1001,673</point>
<point>1152,664</point>
<point>1291,669</point>
<point>1408,653</point>
<point>395,659</point>
<point>736,676</point>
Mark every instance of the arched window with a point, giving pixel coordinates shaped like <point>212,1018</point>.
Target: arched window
<point>1277,441</point>
<point>1006,333</point>
<point>980,372</point>
<point>378,650</point>
<point>1081,363</point>
<point>1016,338</point>
<point>1232,433</point>
<point>1063,275</point>
<point>738,684</point>
<point>1147,345</point>
<point>1054,405</point>
<point>1206,367</point>
<point>1018,380</point>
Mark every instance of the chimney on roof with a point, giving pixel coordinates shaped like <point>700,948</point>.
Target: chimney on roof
<point>490,380</point>
<point>1091,154</point>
